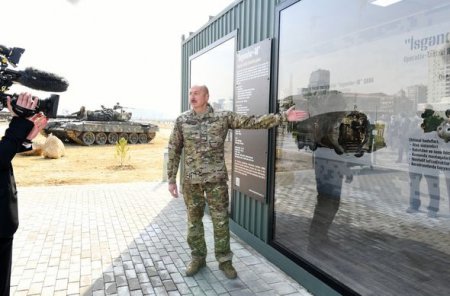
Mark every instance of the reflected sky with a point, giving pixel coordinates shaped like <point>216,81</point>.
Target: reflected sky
<point>384,46</point>
<point>215,69</point>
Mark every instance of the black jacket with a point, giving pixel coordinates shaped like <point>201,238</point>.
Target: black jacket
<point>10,144</point>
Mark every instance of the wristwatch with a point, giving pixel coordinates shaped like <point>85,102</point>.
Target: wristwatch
<point>27,144</point>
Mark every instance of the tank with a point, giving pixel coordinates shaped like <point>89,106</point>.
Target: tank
<point>104,126</point>
<point>342,131</point>
<point>438,121</point>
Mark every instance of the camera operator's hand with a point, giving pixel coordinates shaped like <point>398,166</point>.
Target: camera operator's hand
<point>25,100</point>
<point>40,121</point>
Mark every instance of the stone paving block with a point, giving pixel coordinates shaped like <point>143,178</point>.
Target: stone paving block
<point>125,257</point>
<point>121,280</point>
<point>204,284</point>
<point>110,288</point>
<point>271,277</point>
<point>137,260</point>
<point>74,276</point>
<point>246,276</point>
<point>259,286</point>
<point>250,260</point>
<point>160,291</point>
<point>283,288</point>
<point>197,291</point>
<point>49,280</point>
<point>130,274</point>
<point>47,291</point>
<point>123,291</point>
<point>98,285</point>
<point>144,255</point>
<point>143,277</point>
<point>107,277</point>
<point>167,260</point>
<point>119,270</point>
<point>128,265</point>
<point>63,274</point>
<point>171,268</point>
<point>156,281</point>
<point>98,293</point>
<point>233,285</point>
<point>133,284</point>
<point>147,289</point>
<point>28,274</point>
<point>218,288</point>
<point>159,265</point>
<point>73,288</point>
<point>183,288</point>
<point>35,289</point>
<point>177,277</point>
<point>245,292</point>
<point>135,245</point>
<point>139,267</point>
<point>38,277</point>
<point>155,257</point>
<point>191,282</point>
<point>61,284</point>
<point>169,285</point>
<point>86,290</point>
<point>164,274</point>
<point>151,271</point>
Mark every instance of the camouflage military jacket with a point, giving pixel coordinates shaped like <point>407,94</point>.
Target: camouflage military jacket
<point>202,137</point>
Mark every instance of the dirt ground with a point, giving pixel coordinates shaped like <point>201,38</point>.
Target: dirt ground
<point>94,164</point>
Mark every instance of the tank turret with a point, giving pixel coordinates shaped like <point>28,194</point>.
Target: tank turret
<point>103,126</point>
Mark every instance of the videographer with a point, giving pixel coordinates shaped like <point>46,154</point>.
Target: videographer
<point>17,139</point>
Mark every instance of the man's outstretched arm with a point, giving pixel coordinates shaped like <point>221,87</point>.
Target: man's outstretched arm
<point>238,121</point>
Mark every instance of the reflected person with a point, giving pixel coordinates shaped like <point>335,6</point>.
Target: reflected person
<point>416,173</point>
<point>201,133</point>
<point>330,171</point>
<point>404,125</point>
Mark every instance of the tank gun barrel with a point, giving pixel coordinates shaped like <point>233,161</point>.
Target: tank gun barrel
<point>67,116</point>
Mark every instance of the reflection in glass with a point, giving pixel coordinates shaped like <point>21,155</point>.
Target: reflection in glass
<point>360,186</point>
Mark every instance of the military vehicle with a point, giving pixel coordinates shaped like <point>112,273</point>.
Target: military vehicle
<point>104,126</point>
<point>438,121</point>
<point>343,131</point>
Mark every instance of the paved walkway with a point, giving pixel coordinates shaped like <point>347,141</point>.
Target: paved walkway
<point>124,239</point>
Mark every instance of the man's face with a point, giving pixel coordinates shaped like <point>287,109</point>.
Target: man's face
<point>198,97</point>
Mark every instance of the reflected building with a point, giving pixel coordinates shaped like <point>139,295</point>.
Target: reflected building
<point>318,94</point>
<point>438,74</point>
<point>222,104</point>
<point>417,93</point>
<point>319,80</point>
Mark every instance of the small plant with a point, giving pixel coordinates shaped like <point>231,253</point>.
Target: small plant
<point>122,150</point>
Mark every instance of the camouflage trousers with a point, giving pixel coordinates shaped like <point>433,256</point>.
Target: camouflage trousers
<point>217,197</point>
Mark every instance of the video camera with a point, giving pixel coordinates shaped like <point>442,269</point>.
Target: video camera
<point>31,78</point>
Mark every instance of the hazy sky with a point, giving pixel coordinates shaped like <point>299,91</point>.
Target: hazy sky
<point>110,51</point>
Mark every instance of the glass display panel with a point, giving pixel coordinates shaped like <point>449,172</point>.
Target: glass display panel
<point>362,186</point>
<point>215,69</point>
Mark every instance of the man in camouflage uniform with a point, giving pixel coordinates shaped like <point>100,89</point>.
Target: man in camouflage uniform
<point>202,132</point>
